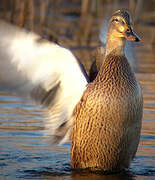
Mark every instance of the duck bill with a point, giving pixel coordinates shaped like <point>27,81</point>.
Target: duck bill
<point>131,36</point>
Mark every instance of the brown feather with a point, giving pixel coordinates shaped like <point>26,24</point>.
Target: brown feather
<point>107,120</point>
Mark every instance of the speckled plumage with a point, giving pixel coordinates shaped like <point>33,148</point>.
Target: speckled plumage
<point>107,120</point>
<point>105,123</point>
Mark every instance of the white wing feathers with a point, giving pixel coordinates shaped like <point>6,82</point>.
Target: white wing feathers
<point>43,71</point>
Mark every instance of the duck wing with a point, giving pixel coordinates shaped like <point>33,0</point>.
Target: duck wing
<point>96,64</point>
<point>48,74</point>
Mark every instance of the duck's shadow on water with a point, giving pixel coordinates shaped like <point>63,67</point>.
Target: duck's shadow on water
<point>68,173</point>
<point>63,171</point>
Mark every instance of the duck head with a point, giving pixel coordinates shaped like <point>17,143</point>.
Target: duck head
<point>121,24</point>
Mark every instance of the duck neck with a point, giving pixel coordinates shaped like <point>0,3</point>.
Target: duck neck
<point>114,43</point>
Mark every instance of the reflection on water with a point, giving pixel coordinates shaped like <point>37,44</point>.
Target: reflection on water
<point>25,153</point>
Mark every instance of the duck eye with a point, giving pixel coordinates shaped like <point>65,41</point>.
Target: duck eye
<point>116,20</point>
<point>128,30</point>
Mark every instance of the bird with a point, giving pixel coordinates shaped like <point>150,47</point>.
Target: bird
<point>102,118</point>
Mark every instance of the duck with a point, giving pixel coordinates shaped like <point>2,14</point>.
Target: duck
<point>102,118</point>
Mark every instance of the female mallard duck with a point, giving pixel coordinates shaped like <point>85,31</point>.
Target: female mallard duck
<point>103,117</point>
<point>107,120</point>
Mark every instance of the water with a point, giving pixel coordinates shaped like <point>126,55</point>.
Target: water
<point>25,153</point>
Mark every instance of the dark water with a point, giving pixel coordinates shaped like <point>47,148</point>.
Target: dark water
<point>25,153</point>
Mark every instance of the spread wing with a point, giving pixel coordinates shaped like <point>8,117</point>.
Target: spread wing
<point>48,74</point>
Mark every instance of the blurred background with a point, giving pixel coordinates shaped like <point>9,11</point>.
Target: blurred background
<point>75,23</point>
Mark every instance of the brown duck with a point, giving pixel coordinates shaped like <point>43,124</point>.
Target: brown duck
<point>103,118</point>
<point>107,120</point>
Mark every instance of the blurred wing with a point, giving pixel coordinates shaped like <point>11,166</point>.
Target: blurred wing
<point>45,72</point>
